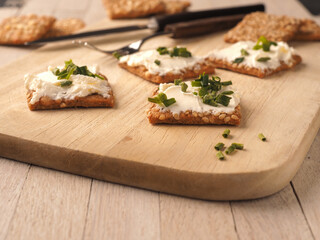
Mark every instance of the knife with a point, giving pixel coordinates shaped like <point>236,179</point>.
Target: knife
<point>158,23</point>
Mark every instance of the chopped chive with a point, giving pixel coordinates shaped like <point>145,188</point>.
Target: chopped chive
<point>237,146</point>
<point>262,137</point>
<point>226,133</point>
<point>230,149</point>
<point>162,50</point>
<point>244,52</point>
<point>263,59</point>
<point>116,54</point>
<point>195,93</point>
<point>184,87</point>
<point>175,52</point>
<point>65,83</point>
<point>238,60</point>
<point>157,62</point>
<point>196,84</point>
<point>162,99</point>
<point>264,44</point>
<point>220,155</point>
<point>226,83</point>
<point>177,81</point>
<point>219,146</point>
<point>227,92</point>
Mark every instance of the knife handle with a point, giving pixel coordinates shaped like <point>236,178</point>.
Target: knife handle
<point>159,22</point>
<point>203,26</point>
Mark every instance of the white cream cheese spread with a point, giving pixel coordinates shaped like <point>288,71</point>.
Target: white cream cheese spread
<point>167,64</point>
<point>47,84</point>
<point>277,54</point>
<point>188,101</point>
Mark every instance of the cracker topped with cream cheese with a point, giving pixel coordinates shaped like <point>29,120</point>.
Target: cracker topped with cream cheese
<point>261,58</point>
<point>202,101</point>
<point>164,65</point>
<point>68,86</point>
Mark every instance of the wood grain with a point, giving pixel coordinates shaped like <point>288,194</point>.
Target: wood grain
<point>306,184</point>
<point>275,217</point>
<point>181,157</point>
<point>12,175</point>
<point>119,212</point>
<point>183,218</point>
<point>51,206</point>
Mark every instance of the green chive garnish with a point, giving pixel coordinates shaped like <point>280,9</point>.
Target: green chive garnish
<point>264,44</point>
<point>162,99</point>
<point>157,62</point>
<point>237,146</point>
<point>238,60</point>
<point>71,69</point>
<point>184,87</point>
<point>219,146</point>
<point>195,93</point>
<point>244,52</point>
<point>175,52</point>
<point>262,137</point>
<point>177,81</point>
<point>220,155</point>
<point>263,59</point>
<point>230,149</point>
<point>116,54</point>
<point>226,133</point>
<point>65,83</point>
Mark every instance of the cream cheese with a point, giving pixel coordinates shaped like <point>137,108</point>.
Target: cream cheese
<point>47,84</point>
<point>277,54</point>
<point>188,101</point>
<point>168,64</point>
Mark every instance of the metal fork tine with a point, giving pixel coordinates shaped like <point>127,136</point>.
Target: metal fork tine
<point>129,49</point>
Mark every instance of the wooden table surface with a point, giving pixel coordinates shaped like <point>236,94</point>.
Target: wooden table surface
<point>38,203</point>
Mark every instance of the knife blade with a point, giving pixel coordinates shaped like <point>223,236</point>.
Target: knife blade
<point>158,23</point>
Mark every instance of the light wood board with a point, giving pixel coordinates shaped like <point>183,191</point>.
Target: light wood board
<point>119,145</point>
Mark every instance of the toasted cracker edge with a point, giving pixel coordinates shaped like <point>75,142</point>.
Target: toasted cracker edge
<point>261,73</point>
<point>143,72</point>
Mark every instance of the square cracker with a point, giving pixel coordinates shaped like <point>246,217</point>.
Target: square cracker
<point>132,8</point>
<point>261,73</point>
<point>65,27</point>
<point>309,30</point>
<point>18,30</point>
<point>156,116</point>
<point>254,25</point>
<point>143,72</point>
<point>94,100</point>
<point>175,6</point>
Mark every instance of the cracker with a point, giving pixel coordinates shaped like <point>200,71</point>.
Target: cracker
<point>132,8</point>
<point>261,73</point>
<point>309,31</point>
<point>18,30</point>
<point>143,72</point>
<point>174,6</point>
<point>155,116</point>
<point>94,100</point>
<point>65,27</point>
<point>254,25</point>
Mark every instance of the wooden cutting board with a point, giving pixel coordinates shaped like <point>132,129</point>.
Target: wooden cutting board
<point>119,145</point>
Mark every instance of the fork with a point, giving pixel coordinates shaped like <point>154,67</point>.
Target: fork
<point>129,49</point>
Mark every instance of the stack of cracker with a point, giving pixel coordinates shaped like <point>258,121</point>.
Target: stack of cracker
<point>274,28</point>
<point>140,8</point>
<point>28,28</point>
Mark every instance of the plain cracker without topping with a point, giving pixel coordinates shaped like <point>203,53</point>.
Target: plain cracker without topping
<point>174,6</point>
<point>261,73</point>
<point>309,30</point>
<point>94,100</point>
<point>65,27</point>
<point>143,72</point>
<point>18,30</point>
<point>132,8</point>
<point>254,25</point>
